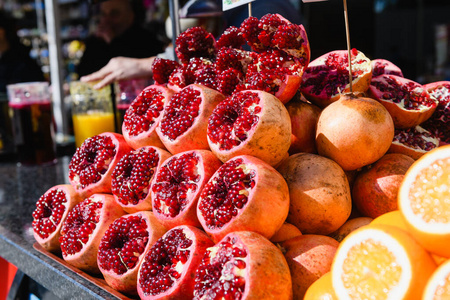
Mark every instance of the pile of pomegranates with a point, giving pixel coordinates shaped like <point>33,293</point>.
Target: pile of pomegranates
<point>230,156</point>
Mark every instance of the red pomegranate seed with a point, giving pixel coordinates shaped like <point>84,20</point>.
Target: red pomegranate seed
<point>48,213</point>
<point>162,68</point>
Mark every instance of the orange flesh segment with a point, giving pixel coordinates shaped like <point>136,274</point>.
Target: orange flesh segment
<point>443,289</point>
<point>370,271</point>
<point>429,194</point>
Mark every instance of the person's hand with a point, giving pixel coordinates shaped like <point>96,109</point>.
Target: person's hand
<point>119,68</point>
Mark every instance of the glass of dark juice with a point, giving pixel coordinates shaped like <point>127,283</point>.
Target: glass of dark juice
<point>32,123</point>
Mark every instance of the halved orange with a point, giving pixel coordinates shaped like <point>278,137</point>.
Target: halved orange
<point>438,286</point>
<point>424,200</point>
<point>392,218</point>
<point>380,262</point>
<point>321,289</point>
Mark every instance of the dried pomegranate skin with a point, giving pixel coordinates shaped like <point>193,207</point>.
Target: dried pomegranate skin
<point>49,215</point>
<point>245,193</point>
<point>133,176</point>
<point>384,66</point>
<point>83,229</point>
<point>180,252</point>
<point>407,101</point>
<point>177,186</point>
<point>123,247</point>
<point>143,115</point>
<point>252,123</point>
<point>243,265</point>
<point>413,142</point>
<point>184,122</point>
<point>327,77</point>
<point>92,164</point>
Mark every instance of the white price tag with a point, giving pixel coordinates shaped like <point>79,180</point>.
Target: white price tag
<point>229,4</point>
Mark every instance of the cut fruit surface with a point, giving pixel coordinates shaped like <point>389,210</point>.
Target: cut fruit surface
<point>438,286</point>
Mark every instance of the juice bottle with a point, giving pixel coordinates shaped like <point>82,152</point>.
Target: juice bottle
<point>90,124</point>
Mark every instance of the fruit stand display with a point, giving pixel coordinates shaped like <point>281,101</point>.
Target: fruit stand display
<point>260,174</point>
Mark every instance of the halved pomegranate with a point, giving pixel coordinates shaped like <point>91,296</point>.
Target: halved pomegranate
<point>384,66</point>
<point>123,246</point>
<point>438,122</point>
<point>251,123</point>
<point>327,77</point>
<point>245,193</point>
<point>243,265</point>
<point>143,115</point>
<point>92,164</point>
<point>184,122</point>
<point>413,142</point>
<point>195,42</point>
<point>407,101</point>
<point>132,177</point>
<point>177,186</point>
<point>50,213</point>
<point>83,229</point>
<point>169,267</point>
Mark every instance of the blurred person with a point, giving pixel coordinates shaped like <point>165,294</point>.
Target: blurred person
<point>119,33</point>
<point>16,65</point>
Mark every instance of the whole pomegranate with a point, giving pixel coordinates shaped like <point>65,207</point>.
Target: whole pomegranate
<point>438,122</point>
<point>407,101</point>
<point>376,187</point>
<point>92,164</point>
<point>243,265</point>
<point>245,193</point>
<point>286,232</point>
<point>327,77</point>
<point>354,131</point>
<point>384,66</point>
<point>250,123</point>
<point>184,122</point>
<point>83,229</point>
<point>143,115</point>
<point>350,225</point>
<point>414,142</point>
<point>309,257</point>
<point>170,265</point>
<point>178,184</point>
<point>123,246</point>
<point>50,213</point>
<point>319,193</point>
<point>133,176</point>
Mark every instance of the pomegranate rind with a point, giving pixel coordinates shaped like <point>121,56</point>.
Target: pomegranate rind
<point>267,206</point>
<point>288,89</point>
<point>149,137</point>
<point>359,84</point>
<point>184,286</point>
<point>267,274</point>
<point>403,117</point>
<point>86,258</point>
<point>145,204</point>
<point>194,138</point>
<point>384,66</point>
<point>286,232</point>
<point>51,243</point>
<point>206,167</point>
<point>414,152</point>
<point>104,184</point>
<point>269,139</point>
<point>369,123</point>
<point>127,282</point>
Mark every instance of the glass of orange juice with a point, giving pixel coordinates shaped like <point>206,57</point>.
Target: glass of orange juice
<point>92,111</point>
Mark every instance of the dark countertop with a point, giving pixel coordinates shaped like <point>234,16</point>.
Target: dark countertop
<point>20,188</point>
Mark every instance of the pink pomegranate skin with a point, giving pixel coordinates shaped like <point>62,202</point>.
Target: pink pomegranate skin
<point>177,182</point>
<point>127,282</point>
<point>256,269</point>
<point>183,287</point>
<point>92,164</point>
<point>81,219</point>
<point>263,197</point>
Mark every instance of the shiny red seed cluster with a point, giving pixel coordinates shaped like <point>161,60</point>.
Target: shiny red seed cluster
<point>195,42</point>
<point>91,160</point>
<point>232,37</point>
<point>49,211</point>
<point>143,111</point>
<point>162,68</point>
<point>180,113</point>
<point>161,267</point>
<point>228,81</point>
<point>79,225</point>
<point>222,198</point>
<point>233,118</point>
<point>132,175</point>
<point>414,138</point>
<point>123,243</point>
<point>438,123</point>
<point>216,276</point>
